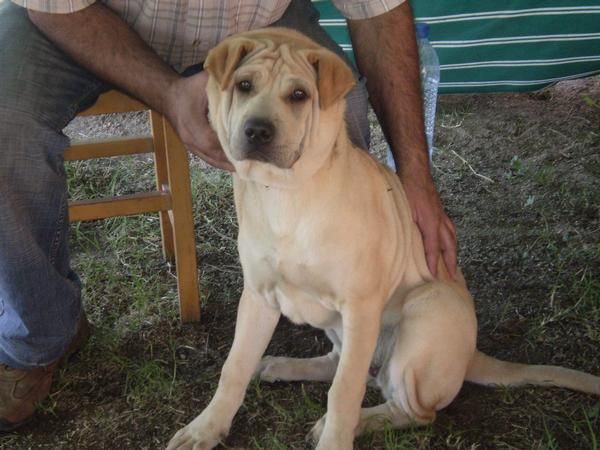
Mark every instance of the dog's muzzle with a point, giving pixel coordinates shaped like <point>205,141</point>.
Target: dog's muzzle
<point>257,140</point>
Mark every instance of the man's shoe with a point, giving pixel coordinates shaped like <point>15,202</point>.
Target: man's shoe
<point>22,390</point>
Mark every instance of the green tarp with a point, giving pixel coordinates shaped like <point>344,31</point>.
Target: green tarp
<point>492,46</point>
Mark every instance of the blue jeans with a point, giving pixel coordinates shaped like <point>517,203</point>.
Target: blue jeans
<point>41,90</point>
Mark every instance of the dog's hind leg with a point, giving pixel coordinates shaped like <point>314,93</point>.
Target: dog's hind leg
<point>281,368</point>
<point>385,415</point>
<point>435,342</point>
<point>372,419</point>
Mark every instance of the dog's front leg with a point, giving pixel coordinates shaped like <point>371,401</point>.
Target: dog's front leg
<point>360,328</point>
<point>255,324</point>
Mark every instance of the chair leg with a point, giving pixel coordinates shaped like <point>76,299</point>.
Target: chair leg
<point>182,225</point>
<point>162,182</point>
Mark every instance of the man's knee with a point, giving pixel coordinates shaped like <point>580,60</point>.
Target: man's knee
<point>32,175</point>
<point>27,142</point>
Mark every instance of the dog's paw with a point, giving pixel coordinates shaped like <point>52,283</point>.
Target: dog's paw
<point>269,369</point>
<point>184,439</point>
<point>200,434</point>
<point>321,438</point>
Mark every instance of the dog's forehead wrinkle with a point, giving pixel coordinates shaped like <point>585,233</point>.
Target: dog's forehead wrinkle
<point>265,53</point>
<point>279,59</point>
<point>300,64</point>
<point>258,64</point>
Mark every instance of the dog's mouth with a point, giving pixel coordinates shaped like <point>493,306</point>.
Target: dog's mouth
<point>278,155</point>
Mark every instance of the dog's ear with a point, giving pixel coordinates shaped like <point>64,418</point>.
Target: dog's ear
<point>223,59</point>
<point>334,77</point>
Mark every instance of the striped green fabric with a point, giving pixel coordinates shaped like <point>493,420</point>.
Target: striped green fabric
<point>335,24</point>
<point>524,46</point>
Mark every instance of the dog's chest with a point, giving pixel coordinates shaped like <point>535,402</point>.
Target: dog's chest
<point>295,254</point>
<point>291,279</point>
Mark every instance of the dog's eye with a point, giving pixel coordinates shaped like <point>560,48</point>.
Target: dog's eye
<point>245,86</point>
<point>298,95</point>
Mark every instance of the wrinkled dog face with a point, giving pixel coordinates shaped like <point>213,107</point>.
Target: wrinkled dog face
<point>274,96</point>
<point>271,109</point>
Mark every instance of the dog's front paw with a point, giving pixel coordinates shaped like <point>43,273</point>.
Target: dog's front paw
<point>200,434</point>
<point>323,438</point>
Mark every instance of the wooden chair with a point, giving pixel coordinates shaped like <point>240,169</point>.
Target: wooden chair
<point>172,198</point>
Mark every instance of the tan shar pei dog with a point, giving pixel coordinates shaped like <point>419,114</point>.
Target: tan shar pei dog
<point>326,238</point>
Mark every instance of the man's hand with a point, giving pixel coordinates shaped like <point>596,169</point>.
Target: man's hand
<point>187,110</point>
<point>438,231</point>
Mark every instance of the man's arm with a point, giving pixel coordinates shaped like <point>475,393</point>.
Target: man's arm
<point>101,42</point>
<point>386,54</point>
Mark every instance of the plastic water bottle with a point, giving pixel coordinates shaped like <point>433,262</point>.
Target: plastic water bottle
<point>430,80</point>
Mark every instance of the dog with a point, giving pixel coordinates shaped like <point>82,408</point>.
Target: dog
<point>326,238</point>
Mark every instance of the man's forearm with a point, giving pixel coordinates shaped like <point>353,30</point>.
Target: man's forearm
<point>101,42</point>
<point>386,54</point>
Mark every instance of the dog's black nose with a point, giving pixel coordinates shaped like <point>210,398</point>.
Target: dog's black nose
<point>259,131</point>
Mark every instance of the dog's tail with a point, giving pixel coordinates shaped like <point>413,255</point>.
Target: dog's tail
<point>491,371</point>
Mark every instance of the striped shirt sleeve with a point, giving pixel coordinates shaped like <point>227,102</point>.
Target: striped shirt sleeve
<point>54,6</point>
<point>365,9</point>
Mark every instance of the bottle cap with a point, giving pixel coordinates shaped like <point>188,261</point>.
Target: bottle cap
<point>422,30</point>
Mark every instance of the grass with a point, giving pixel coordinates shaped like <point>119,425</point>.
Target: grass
<point>123,255</point>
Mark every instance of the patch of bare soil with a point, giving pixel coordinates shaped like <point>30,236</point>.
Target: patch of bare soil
<point>519,175</point>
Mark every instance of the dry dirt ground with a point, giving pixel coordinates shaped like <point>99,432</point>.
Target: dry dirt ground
<point>519,175</point>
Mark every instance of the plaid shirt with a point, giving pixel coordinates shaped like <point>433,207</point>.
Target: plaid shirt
<point>183,31</point>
